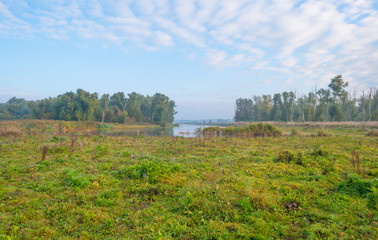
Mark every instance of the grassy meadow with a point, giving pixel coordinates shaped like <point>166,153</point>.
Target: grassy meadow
<point>60,180</point>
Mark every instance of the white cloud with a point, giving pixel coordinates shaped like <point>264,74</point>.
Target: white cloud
<point>10,24</point>
<point>164,39</point>
<point>216,57</point>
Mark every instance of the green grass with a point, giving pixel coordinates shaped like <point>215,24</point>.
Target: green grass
<point>303,186</point>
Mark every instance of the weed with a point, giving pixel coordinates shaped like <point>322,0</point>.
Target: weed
<point>292,205</point>
<point>73,143</point>
<point>295,133</point>
<point>73,178</point>
<point>322,133</point>
<point>45,149</point>
<point>126,154</point>
<point>55,139</point>
<point>355,159</point>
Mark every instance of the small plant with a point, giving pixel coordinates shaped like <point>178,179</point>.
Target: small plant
<point>55,139</point>
<point>126,154</point>
<point>292,205</point>
<point>355,159</point>
<point>45,149</point>
<point>322,133</point>
<point>295,133</point>
<point>73,178</point>
<point>319,152</point>
<point>73,143</point>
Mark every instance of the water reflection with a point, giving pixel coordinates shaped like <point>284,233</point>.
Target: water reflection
<point>184,130</point>
<point>187,130</point>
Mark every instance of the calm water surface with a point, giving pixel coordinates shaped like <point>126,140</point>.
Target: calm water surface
<point>184,130</point>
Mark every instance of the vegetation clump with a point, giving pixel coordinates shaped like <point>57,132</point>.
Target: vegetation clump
<point>292,205</point>
<point>322,133</point>
<point>372,133</point>
<point>319,152</point>
<point>288,157</point>
<point>295,133</point>
<point>253,130</point>
<point>74,179</point>
<point>150,170</point>
<point>355,185</point>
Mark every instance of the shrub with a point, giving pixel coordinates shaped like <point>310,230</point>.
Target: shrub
<point>212,131</point>
<point>355,185</point>
<point>288,156</point>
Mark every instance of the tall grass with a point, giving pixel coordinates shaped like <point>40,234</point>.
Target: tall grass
<point>253,130</point>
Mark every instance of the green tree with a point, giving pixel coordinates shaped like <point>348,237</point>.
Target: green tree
<point>133,106</point>
<point>244,110</point>
<point>324,101</point>
<point>337,86</point>
<point>276,112</point>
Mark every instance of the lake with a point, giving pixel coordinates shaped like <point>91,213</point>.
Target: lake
<point>184,130</point>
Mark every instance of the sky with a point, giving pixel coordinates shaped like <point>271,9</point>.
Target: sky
<point>203,54</point>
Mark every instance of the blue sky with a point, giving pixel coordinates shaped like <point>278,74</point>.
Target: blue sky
<point>203,54</point>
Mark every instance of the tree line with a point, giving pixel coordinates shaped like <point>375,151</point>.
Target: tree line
<point>85,106</point>
<point>332,104</point>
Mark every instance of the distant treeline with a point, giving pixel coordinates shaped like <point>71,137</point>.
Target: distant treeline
<point>332,104</point>
<point>86,106</point>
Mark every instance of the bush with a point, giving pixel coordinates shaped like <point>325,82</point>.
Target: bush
<point>288,156</point>
<point>355,186</point>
